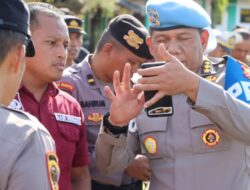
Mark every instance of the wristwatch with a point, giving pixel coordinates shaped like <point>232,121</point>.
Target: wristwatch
<point>113,128</point>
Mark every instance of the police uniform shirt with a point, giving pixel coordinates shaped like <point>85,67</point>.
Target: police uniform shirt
<point>81,83</point>
<point>187,150</point>
<point>27,154</point>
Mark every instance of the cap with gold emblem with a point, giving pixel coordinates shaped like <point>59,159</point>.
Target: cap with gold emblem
<point>173,14</point>
<point>131,33</point>
<point>74,24</point>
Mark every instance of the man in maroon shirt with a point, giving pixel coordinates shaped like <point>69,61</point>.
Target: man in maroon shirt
<point>57,111</point>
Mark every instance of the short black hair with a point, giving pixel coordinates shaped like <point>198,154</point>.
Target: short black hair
<point>9,39</point>
<point>105,38</point>
<point>36,8</point>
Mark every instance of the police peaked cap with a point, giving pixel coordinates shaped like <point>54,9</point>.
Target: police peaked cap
<point>131,33</point>
<point>173,14</point>
<point>14,15</point>
<point>74,24</point>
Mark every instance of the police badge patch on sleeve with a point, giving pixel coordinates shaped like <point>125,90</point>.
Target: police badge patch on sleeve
<point>53,170</point>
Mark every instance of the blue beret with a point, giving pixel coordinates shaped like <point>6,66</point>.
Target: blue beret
<point>173,14</point>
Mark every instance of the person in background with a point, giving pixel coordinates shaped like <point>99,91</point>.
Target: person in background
<point>188,149</point>
<point>225,44</point>
<point>124,40</point>
<point>25,142</point>
<point>76,53</point>
<point>59,112</point>
<point>241,49</point>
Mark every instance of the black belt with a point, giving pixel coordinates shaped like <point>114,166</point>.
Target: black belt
<point>133,186</point>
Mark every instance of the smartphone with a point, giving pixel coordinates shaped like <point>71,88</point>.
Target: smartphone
<point>163,107</point>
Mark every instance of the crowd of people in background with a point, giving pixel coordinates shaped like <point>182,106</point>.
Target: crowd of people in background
<point>74,120</point>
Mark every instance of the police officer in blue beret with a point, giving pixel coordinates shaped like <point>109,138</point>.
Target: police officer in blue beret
<point>27,154</point>
<point>204,144</point>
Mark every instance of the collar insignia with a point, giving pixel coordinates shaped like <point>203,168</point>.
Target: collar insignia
<point>207,67</point>
<point>211,78</point>
<point>91,80</point>
<point>133,39</point>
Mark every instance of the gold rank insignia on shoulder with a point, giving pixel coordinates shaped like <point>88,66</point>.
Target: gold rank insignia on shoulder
<point>211,137</point>
<point>90,79</point>
<point>153,17</point>
<point>133,39</point>
<point>246,70</point>
<point>53,170</point>
<point>95,117</point>
<point>207,67</point>
<point>151,145</point>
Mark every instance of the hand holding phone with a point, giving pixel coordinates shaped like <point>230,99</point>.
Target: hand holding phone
<point>163,107</point>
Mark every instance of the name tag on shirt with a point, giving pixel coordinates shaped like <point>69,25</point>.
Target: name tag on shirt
<point>68,118</point>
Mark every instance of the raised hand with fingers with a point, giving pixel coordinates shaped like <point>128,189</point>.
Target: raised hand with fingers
<point>126,102</point>
<point>169,79</point>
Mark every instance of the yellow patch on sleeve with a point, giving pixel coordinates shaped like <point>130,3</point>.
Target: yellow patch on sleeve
<point>53,170</point>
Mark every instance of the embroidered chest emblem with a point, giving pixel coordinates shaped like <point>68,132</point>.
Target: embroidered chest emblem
<point>133,39</point>
<point>211,137</point>
<point>95,117</point>
<point>153,17</point>
<point>150,144</point>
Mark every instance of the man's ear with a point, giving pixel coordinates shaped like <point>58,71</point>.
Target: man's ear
<point>107,49</point>
<point>204,38</point>
<point>17,55</point>
<point>150,45</point>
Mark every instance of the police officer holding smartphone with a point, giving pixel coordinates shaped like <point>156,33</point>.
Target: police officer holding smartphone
<point>204,144</point>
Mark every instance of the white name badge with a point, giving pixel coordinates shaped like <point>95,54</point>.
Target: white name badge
<point>68,118</point>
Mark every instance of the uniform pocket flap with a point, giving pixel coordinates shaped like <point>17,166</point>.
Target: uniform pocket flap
<point>69,131</point>
<point>147,124</point>
<point>197,119</point>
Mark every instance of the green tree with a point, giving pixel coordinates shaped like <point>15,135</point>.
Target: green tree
<point>218,8</point>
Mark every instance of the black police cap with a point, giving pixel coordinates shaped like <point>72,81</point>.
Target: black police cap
<point>14,15</point>
<point>74,24</point>
<point>131,33</point>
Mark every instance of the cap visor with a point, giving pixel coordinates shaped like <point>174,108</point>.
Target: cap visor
<point>71,30</point>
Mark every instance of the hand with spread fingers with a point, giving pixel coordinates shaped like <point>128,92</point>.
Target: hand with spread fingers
<point>127,102</point>
<point>168,79</point>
